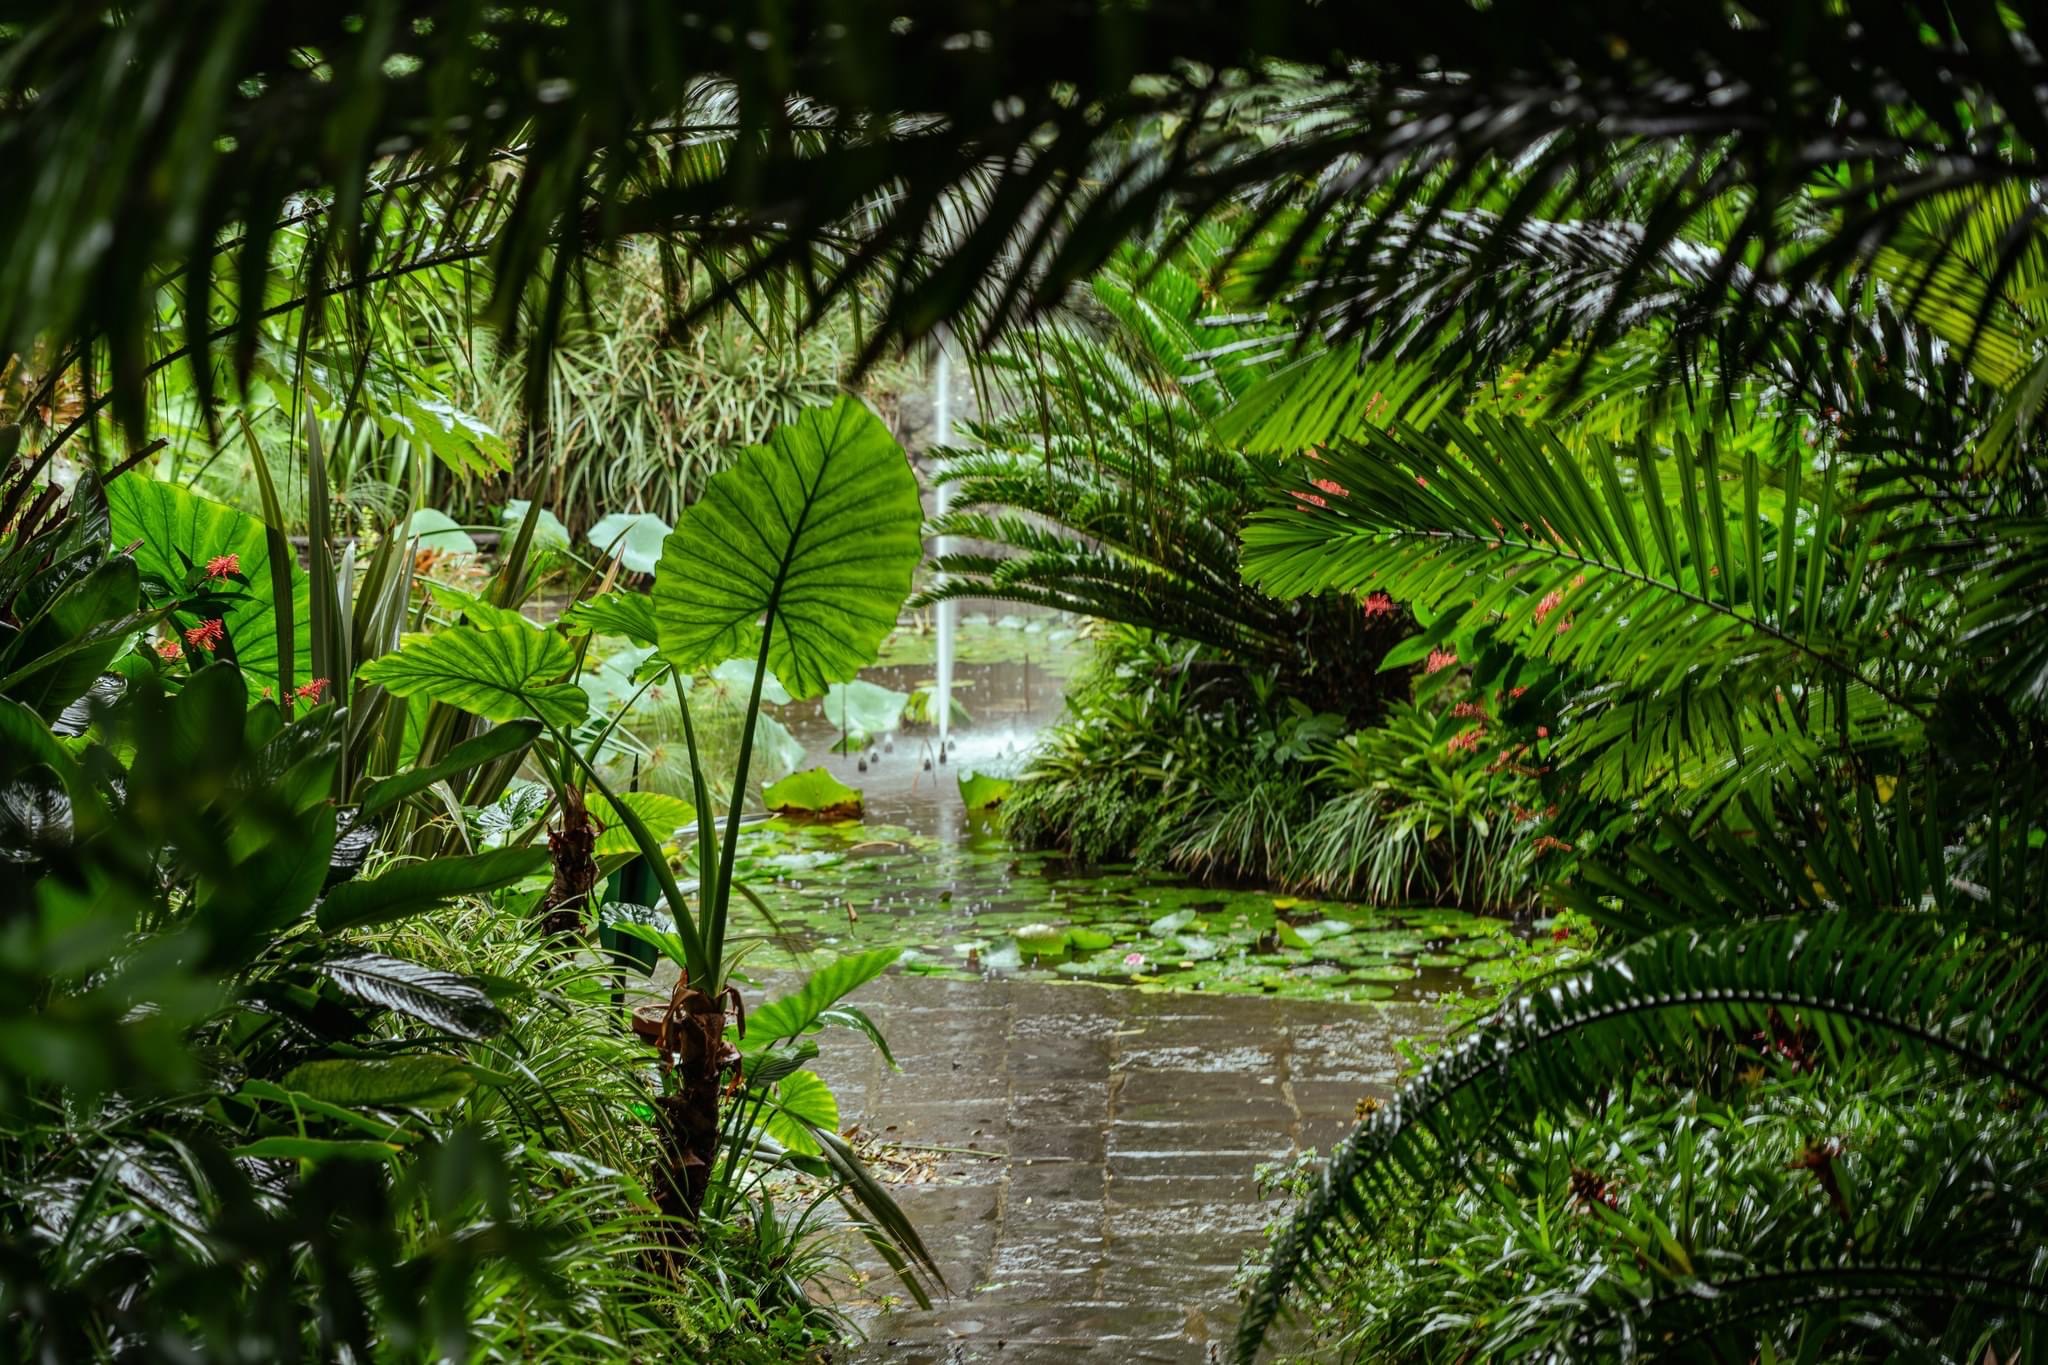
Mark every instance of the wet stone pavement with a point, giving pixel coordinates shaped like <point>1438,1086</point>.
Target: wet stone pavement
<point>1121,1130</point>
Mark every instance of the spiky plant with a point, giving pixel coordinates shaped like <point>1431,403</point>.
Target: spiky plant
<point>1797,680</point>
<point>1104,488</point>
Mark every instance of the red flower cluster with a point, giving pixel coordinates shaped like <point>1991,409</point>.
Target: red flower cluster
<point>1466,741</point>
<point>1378,604</point>
<point>168,650</point>
<point>207,635</point>
<point>1552,600</point>
<point>1310,498</point>
<point>1439,660</point>
<point>311,691</point>
<point>222,566</point>
<point>1470,710</point>
<point>1332,487</point>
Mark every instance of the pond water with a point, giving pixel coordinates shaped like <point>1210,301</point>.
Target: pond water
<point>1090,1063</point>
<point>921,871</point>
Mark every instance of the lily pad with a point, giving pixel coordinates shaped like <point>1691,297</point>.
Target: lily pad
<point>1168,925</point>
<point>813,792</point>
<point>635,537</point>
<point>436,531</point>
<point>1043,940</point>
<point>980,791</point>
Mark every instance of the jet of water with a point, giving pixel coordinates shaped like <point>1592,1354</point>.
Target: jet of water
<point>942,433</point>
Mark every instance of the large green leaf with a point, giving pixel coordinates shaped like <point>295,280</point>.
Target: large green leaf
<point>813,792</point>
<point>663,814</point>
<point>635,537</point>
<point>801,1010</point>
<point>864,708</point>
<point>817,531</point>
<point>436,530</point>
<point>413,887</point>
<point>440,999</point>
<point>802,1101</point>
<point>494,743</point>
<point>168,520</point>
<point>630,614</point>
<point>501,673</point>
<point>417,1081</point>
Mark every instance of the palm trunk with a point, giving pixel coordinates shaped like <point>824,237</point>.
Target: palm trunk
<point>572,847</point>
<point>689,1031</point>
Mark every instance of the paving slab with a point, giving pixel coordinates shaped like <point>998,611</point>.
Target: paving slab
<point>1123,1129</point>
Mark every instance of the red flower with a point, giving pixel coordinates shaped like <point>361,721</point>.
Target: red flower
<point>1470,710</point>
<point>1439,660</point>
<point>1421,482</point>
<point>1517,691</point>
<point>1332,487</point>
<point>221,566</point>
<point>207,635</point>
<point>1564,625</point>
<point>1466,740</point>
<point>169,649</point>
<point>1309,498</point>
<point>1378,604</point>
<point>1543,732</point>
<point>311,691</point>
<point>1546,843</point>
<point>1552,600</point>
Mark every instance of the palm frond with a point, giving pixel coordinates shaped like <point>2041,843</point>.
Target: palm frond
<point>1849,981</point>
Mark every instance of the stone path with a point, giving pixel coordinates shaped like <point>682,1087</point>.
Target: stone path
<point>1122,1128</point>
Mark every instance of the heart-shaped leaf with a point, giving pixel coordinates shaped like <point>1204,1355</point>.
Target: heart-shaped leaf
<point>503,673</point>
<point>817,532</point>
<point>171,522</point>
<point>635,537</point>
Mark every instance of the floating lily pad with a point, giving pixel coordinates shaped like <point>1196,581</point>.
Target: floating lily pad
<point>1043,940</point>
<point>813,792</point>
<point>980,791</point>
<point>1168,925</point>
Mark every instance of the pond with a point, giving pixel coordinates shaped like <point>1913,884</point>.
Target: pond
<point>1090,1063</point>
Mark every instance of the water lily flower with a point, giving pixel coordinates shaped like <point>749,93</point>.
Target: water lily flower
<point>1134,960</point>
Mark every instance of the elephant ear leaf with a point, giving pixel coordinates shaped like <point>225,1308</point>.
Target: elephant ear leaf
<point>500,673</point>
<point>816,532</point>
<point>175,530</point>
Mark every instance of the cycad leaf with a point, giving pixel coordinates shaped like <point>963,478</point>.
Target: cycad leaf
<point>501,673</point>
<point>441,999</point>
<point>818,530</point>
